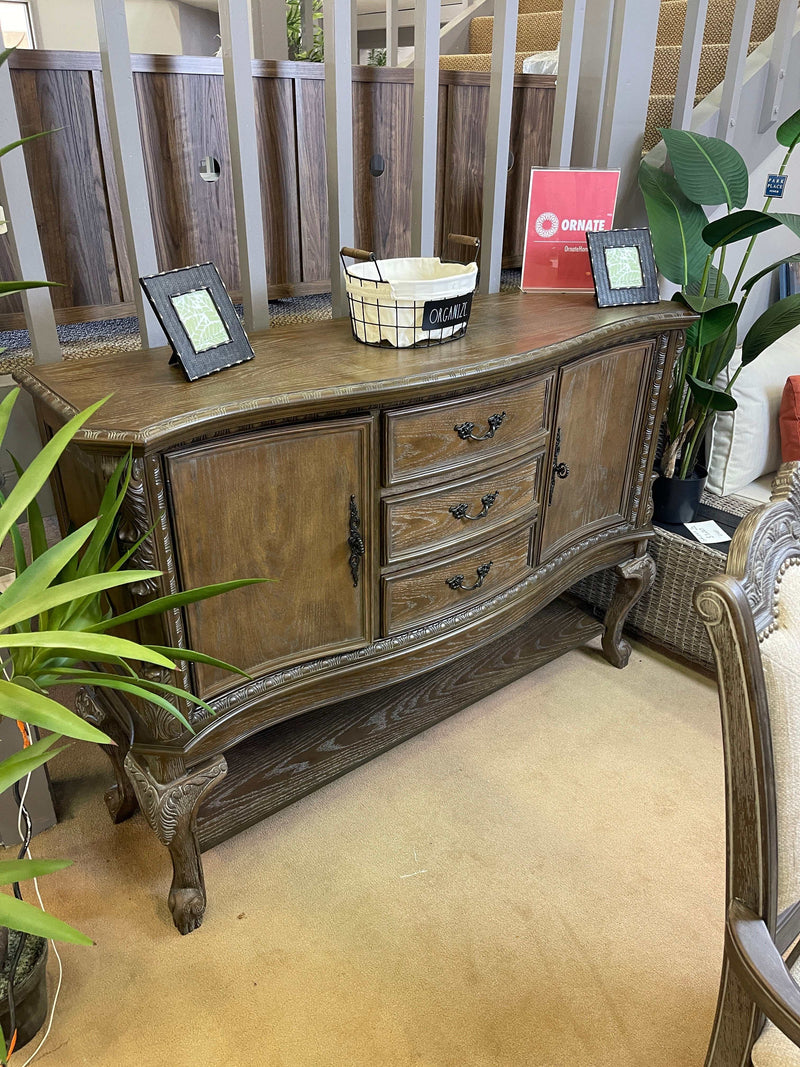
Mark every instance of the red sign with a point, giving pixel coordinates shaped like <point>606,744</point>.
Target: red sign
<point>562,206</point>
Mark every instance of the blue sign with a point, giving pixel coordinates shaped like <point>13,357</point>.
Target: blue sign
<point>775,184</point>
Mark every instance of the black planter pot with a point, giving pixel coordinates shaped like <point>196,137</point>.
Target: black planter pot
<point>676,500</point>
<point>30,991</point>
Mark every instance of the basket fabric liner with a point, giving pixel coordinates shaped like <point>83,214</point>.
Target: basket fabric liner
<point>391,310</point>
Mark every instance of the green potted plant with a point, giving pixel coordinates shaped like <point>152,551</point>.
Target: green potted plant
<point>690,251</point>
<point>55,616</point>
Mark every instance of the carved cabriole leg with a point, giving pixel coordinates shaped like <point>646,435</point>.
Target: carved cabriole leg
<point>121,798</point>
<point>171,810</point>
<point>634,578</point>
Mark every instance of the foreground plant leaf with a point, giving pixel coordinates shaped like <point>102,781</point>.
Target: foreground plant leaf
<point>708,170</point>
<point>23,870</point>
<point>38,710</point>
<point>777,320</point>
<point>19,915</point>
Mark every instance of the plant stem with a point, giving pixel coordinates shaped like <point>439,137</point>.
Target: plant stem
<point>687,465</point>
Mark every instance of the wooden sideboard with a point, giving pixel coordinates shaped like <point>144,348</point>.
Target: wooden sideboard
<point>415,507</point>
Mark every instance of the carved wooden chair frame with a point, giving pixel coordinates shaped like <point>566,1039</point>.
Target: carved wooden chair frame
<point>739,609</point>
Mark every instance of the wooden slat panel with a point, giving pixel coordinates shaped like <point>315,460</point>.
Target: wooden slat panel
<point>382,125</point>
<point>126,280</point>
<point>182,119</point>
<point>467,108</point>
<point>279,193</point>
<point>312,181</point>
<point>531,126</point>
<point>67,185</point>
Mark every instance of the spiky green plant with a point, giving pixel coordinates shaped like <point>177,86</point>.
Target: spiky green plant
<point>55,617</point>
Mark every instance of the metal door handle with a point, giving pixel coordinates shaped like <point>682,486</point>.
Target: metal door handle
<point>459,511</point>
<point>464,429</point>
<point>457,581</point>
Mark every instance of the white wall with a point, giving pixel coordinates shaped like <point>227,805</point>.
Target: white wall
<point>167,27</point>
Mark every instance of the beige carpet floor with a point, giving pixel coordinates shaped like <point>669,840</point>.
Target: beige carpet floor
<point>536,881</point>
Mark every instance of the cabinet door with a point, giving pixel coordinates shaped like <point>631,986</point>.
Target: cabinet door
<point>275,505</point>
<point>596,431</point>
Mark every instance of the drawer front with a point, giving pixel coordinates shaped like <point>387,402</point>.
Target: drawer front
<point>432,592</point>
<point>436,438</point>
<point>458,514</point>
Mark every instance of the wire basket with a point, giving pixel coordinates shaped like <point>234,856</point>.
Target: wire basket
<point>405,303</point>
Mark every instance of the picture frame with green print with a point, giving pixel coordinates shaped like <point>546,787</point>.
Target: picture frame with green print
<point>199,319</point>
<point>623,267</point>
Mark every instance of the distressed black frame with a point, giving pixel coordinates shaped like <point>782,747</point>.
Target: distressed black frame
<point>598,241</point>
<point>160,288</point>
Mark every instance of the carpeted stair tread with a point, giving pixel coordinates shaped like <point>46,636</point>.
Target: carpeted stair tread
<point>537,32</point>
<point>711,71</point>
<point>481,61</point>
<point>529,7</point>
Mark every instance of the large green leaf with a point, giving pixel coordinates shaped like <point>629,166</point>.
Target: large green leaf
<point>15,144</point>
<point>777,320</point>
<point>768,270</point>
<point>19,703</point>
<point>708,170</point>
<point>699,303</point>
<point>23,870</point>
<point>711,286</point>
<point>37,577</point>
<point>676,226</point>
<point>110,681</point>
<point>20,764</point>
<point>788,133</point>
<point>711,325</point>
<point>67,593</point>
<point>9,288</point>
<point>738,226</point>
<point>19,915</point>
<point>5,411</point>
<point>86,644</point>
<point>111,502</point>
<point>174,600</point>
<point>789,219</point>
<point>710,396</point>
<point>191,656</point>
<point>39,470</point>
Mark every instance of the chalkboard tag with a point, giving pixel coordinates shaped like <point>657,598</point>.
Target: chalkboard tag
<point>446,314</point>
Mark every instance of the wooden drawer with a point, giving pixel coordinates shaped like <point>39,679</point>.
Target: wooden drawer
<point>413,597</point>
<point>430,520</point>
<point>434,438</point>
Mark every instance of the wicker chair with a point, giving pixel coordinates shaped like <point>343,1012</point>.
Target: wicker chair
<point>752,614</point>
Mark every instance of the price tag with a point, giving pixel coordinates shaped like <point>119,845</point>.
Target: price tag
<point>707,533</point>
<point>776,183</point>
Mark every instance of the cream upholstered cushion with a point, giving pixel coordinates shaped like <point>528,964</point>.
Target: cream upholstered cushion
<point>746,443</point>
<point>780,654</point>
<point>773,1048</point>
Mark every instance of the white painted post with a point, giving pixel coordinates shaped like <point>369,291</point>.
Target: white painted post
<point>693,29</point>
<point>270,40</point>
<point>498,135</point>
<point>339,141</point>
<point>630,70</point>
<point>592,82</point>
<point>391,32</point>
<point>569,67</point>
<point>778,62</point>
<point>734,68</point>
<point>240,107</point>
<point>26,251</point>
<point>425,126</point>
<point>126,143</point>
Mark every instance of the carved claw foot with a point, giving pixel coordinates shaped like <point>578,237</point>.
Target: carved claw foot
<point>634,578</point>
<point>120,798</point>
<point>171,810</point>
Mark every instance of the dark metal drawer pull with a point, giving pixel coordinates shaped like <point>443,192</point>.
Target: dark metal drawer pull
<point>560,470</point>
<point>459,511</point>
<point>355,540</point>
<point>464,429</point>
<point>457,581</point>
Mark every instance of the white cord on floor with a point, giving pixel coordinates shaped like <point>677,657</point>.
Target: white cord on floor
<point>52,943</point>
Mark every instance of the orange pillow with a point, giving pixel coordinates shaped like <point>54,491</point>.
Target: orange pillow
<point>790,419</point>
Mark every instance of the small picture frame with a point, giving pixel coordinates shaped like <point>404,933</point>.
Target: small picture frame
<point>623,267</point>
<point>199,319</point>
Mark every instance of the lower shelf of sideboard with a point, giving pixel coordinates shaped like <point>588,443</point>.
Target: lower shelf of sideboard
<point>292,759</point>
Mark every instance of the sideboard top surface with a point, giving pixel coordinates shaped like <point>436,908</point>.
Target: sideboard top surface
<point>321,366</point>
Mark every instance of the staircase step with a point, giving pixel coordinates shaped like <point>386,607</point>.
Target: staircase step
<point>478,61</point>
<point>529,7</point>
<point>537,32</point>
<point>711,71</point>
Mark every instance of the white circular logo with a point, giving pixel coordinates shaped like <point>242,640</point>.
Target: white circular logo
<point>547,224</point>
